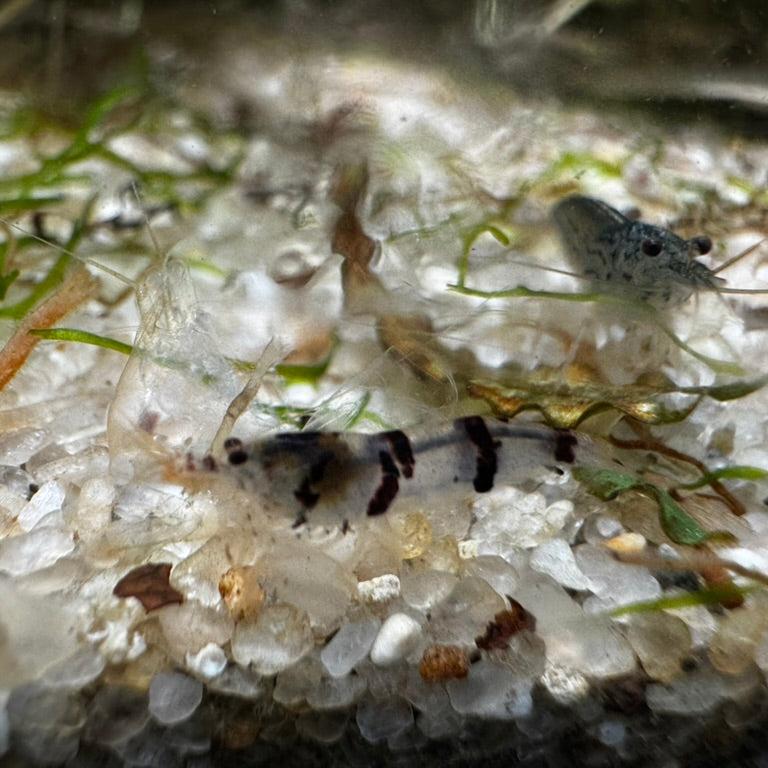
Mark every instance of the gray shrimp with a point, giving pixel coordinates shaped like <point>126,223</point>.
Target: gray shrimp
<point>632,258</point>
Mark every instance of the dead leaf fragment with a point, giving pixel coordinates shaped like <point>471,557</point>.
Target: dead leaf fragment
<point>505,624</point>
<point>149,584</point>
<point>76,288</point>
<point>566,398</point>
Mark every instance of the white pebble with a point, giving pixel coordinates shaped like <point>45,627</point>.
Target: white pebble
<point>210,661</point>
<point>397,637</point>
<point>174,697</point>
<point>517,518</point>
<point>379,589</point>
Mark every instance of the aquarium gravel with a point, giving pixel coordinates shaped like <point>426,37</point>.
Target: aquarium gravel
<point>186,289</point>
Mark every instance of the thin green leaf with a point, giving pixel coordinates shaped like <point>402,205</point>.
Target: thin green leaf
<point>28,203</point>
<point>469,240</point>
<point>6,281</point>
<point>521,291</point>
<point>727,473</point>
<point>732,391</point>
<point>710,596</point>
<point>302,374</point>
<point>718,366</point>
<point>82,337</point>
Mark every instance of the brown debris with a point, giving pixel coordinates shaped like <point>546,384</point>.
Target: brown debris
<point>647,442</point>
<point>149,584</point>
<point>242,592</point>
<point>349,238</point>
<point>717,576</point>
<point>505,624</point>
<point>443,662</point>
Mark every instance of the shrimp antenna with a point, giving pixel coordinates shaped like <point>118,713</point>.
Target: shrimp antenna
<point>545,268</point>
<point>739,256</point>
<point>147,222</point>
<point>744,291</point>
<point>84,259</point>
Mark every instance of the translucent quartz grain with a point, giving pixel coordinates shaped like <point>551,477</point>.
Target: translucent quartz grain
<point>311,581</point>
<point>30,552</point>
<point>415,534</point>
<point>566,686</point>
<point>278,637</point>
<point>555,558</point>
<point>661,641</point>
<point>491,690</point>
<point>379,720</point>
<point>699,692</point>
<point>599,527</point>
<point>591,645</point>
<point>614,582</point>
<point>190,626</point>
<point>197,576</point>
<point>93,509</point>
<point>47,500</point>
<point>336,692</point>
<point>173,697</point>
<point>349,646</point>
<point>495,571</point>
<point>45,722</point>
<point>761,654</point>
<point>210,661</point>
<point>240,683</point>
<point>734,645</point>
<point>76,671</point>
<point>323,727</point>
<point>442,555</point>
<point>35,634</point>
<point>425,696</point>
<point>424,590</point>
<point>293,684</point>
<point>517,518</point>
<point>464,614</point>
<point>115,714</point>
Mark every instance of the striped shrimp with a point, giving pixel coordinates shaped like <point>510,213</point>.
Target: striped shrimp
<point>336,478</point>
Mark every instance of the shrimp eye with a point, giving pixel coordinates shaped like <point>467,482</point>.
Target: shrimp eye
<point>702,244</point>
<point>650,247</point>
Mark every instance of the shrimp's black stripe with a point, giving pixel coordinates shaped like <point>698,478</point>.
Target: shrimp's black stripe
<point>401,447</point>
<point>565,442</point>
<point>385,494</point>
<point>487,462</point>
<point>304,493</point>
